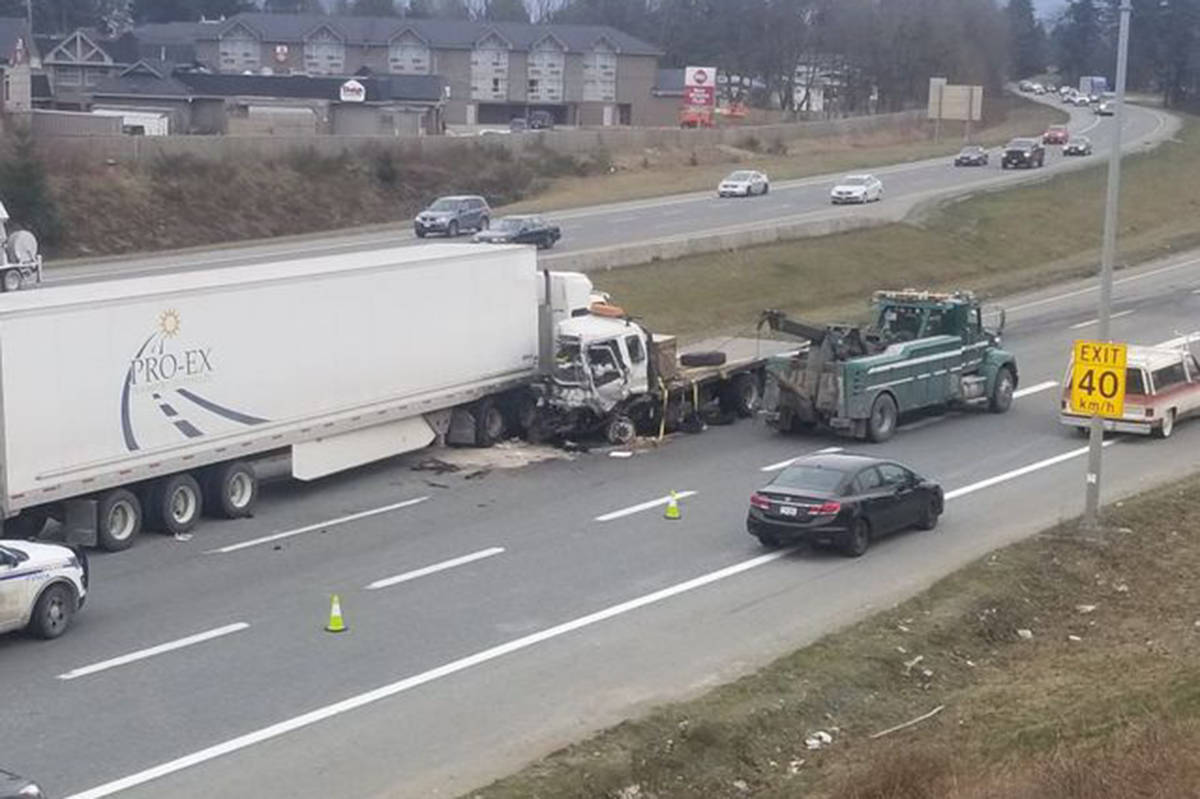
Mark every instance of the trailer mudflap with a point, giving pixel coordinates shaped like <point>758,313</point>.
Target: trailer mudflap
<point>80,522</point>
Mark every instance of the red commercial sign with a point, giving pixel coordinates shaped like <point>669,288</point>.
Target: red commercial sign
<point>700,86</point>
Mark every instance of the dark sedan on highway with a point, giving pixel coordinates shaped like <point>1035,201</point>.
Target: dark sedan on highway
<point>842,500</point>
<point>973,155</point>
<point>521,230</point>
<point>1079,145</point>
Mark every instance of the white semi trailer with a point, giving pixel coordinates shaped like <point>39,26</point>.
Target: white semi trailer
<point>146,401</point>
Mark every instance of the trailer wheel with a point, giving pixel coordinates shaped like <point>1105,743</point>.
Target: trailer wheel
<point>231,490</point>
<point>489,422</point>
<point>118,519</point>
<point>620,430</point>
<point>12,279</point>
<point>882,423</point>
<point>741,396</point>
<point>173,504</point>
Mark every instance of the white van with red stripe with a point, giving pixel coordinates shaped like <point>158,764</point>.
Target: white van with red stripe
<point>1162,386</point>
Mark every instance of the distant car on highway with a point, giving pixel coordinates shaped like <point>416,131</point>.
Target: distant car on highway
<point>1023,152</point>
<point>1081,100</point>
<point>743,183</point>
<point>842,500</point>
<point>1025,86</point>
<point>541,120</point>
<point>857,189</point>
<point>1078,145</point>
<point>13,786</point>
<point>452,216</point>
<point>1105,108</point>
<point>971,155</point>
<point>521,230</point>
<point>1056,134</point>
<point>1162,387</point>
<point>518,125</point>
<point>42,585</point>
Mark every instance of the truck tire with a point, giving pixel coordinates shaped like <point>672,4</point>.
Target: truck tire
<point>174,503</point>
<point>230,490</point>
<point>741,396</point>
<point>490,424</point>
<point>118,519</point>
<point>882,424</point>
<point>706,358</point>
<point>620,430</point>
<point>53,611</point>
<point>1002,391</point>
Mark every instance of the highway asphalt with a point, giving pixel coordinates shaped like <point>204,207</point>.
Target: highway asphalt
<point>684,215</point>
<point>495,617</point>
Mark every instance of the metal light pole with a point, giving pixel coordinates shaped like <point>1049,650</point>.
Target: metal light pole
<point>1091,511</point>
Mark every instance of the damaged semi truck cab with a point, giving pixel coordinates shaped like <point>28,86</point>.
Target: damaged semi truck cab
<point>923,350</point>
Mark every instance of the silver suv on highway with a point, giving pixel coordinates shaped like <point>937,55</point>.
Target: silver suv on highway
<point>453,215</point>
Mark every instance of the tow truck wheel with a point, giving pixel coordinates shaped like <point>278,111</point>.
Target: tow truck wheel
<point>620,431</point>
<point>53,611</point>
<point>174,504</point>
<point>230,490</point>
<point>118,519</point>
<point>1002,391</point>
<point>882,423</point>
<point>12,279</point>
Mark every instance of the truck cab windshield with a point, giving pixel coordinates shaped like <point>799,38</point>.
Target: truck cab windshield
<point>568,364</point>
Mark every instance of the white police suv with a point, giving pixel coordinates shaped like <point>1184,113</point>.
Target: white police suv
<point>41,586</point>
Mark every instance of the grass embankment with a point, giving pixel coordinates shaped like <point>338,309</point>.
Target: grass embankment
<point>996,243</point>
<point>652,173</point>
<point>1100,701</point>
<point>172,202</point>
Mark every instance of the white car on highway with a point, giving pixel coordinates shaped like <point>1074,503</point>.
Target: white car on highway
<point>743,183</point>
<point>1162,387</point>
<point>857,189</point>
<point>41,586</point>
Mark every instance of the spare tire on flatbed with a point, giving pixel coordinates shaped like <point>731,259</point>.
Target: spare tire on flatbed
<point>704,358</point>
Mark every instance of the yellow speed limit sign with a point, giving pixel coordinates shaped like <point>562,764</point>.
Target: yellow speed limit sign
<point>1098,379</point>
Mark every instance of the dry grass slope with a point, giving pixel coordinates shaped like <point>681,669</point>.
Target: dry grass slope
<point>1102,703</point>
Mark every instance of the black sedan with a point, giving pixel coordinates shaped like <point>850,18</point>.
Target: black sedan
<point>1079,145</point>
<point>521,230</point>
<point>842,500</point>
<point>973,155</point>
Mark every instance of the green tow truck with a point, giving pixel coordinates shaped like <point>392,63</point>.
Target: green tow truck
<point>924,351</point>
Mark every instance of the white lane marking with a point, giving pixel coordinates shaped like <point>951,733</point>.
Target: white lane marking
<point>435,568</point>
<point>1090,322</point>
<point>1088,289</point>
<point>1034,389</point>
<point>1024,470</point>
<point>409,683</point>
<point>266,539</point>
<point>142,654</point>
<point>654,503</point>
<point>774,467</point>
<point>1196,291</point>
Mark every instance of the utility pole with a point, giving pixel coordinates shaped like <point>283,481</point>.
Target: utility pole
<point>1091,510</point>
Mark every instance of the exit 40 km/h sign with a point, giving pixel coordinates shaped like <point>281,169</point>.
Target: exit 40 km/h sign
<point>1098,379</point>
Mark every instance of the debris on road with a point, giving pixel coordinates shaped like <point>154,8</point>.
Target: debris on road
<point>434,465</point>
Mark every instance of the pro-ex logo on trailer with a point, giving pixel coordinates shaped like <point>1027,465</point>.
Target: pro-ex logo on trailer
<point>169,373</point>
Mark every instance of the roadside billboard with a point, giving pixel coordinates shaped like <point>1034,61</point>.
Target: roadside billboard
<point>700,86</point>
<point>954,102</point>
